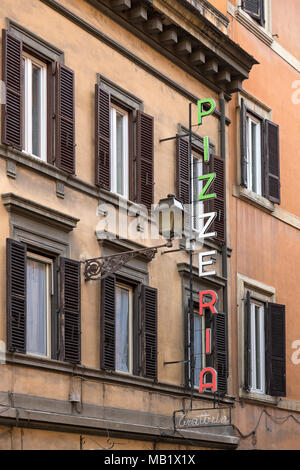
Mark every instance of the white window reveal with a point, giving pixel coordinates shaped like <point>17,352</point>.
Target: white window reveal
<point>38,317</point>
<point>35,107</point>
<point>257,328</point>
<point>254,155</point>
<point>123,329</point>
<point>119,152</point>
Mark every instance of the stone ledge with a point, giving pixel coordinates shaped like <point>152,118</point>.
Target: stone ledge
<point>32,411</point>
<point>19,205</point>
<point>253,198</point>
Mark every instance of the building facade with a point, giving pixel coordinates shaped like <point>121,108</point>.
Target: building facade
<point>95,132</point>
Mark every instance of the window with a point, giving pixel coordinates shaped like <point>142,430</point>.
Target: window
<point>265,362</point>
<point>39,116</point>
<point>124,150</point>
<point>260,158</point>
<point>256,9</point>
<point>128,327</point>
<point>197,186</point>
<point>119,151</point>
<point>257,327</point>
<point>38,319</point>
<point>123,329</point>
<point>199,345</point>
<point>254,163</point>
<point>35,107</point>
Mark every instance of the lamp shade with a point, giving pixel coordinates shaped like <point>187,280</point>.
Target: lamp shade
<point>170,217</point>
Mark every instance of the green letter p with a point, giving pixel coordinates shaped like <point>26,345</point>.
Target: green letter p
<point>201,112</point>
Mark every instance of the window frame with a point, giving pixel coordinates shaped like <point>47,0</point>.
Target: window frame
<point>262,340</point>
<point>196,204</point>
<point>263,294</point>
<point>130,289</point>
<point>114,109</point>
<point>49,290</point>
<point>29,61</point>
<point>251,118</point>
<point>203,353</point>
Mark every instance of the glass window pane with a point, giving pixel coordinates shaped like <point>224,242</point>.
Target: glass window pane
<point>254,156</point>
<point>36,110</point>
<point>120,154</point>
<point>258,347</point>
<point>197,347</point>
<point>197,188</point>
<point>122,330</point>
<point>36,321</point>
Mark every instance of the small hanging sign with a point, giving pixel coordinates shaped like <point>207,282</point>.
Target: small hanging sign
<point>202,417</point>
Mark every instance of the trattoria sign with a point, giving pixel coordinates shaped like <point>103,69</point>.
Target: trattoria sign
<point>198,418</point>
<point>209,217</point>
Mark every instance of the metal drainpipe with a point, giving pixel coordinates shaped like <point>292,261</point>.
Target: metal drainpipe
<point>223,155</point>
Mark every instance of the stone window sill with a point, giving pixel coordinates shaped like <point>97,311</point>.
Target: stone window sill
<point>259,398</point>
<point>253,198</point>
<point>260,32</point>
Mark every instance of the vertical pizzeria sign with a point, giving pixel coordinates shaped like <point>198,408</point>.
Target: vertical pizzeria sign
<point>205,195</point>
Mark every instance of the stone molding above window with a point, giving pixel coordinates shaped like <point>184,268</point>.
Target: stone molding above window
<point>122,96</point>
<point>136,269</point>
<point>35,43</point>
<point>19,205</point>
<point>39,226</point>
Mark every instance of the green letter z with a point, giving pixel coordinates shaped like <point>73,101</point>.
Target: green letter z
<point>211,177</point>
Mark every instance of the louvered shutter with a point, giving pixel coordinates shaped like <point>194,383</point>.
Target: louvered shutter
<point>108,323</point>
<point>247,343</point>
<point>12,74</point>
<point>254,8</point>
<point>243,141</point>
<point>70,289</point>
<point>275,354</point>
<point>221,351</point>
<point>65,119</point>
<point>272,183</point>
<point>102,138</point>
<point>183,170</point>
<point>217,165</point>
<point>149,332</point>
<point>145,159</point>
<point>16,296</point>
<point>186,347</point>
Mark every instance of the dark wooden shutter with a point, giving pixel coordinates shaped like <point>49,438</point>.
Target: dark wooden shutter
<point>149,331</point>
<point>145,159</point>
<point>12,75</point>
<point>65,118</point>
<point>221,351</point>
<point>16,296</point>
<point>247,343</point>
<point>275,354</point>
<point>70,289</point>
<point>108,323</point>
<point>102,138</point>
<point>243,140</point>
<point>217,165</point>
<point>255,8</point>
<point>183,170</point>
<point>272,183</point>
<point>187,382</point>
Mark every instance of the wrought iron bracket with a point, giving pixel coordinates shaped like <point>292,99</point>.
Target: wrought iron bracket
<point>99,268</point>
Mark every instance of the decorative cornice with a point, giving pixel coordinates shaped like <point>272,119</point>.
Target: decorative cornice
<point>231,63</point>
<point>19,205</point>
